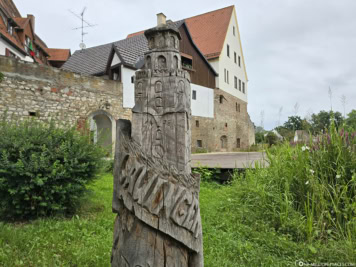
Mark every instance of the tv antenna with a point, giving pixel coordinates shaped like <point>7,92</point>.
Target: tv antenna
<point>85,24</point>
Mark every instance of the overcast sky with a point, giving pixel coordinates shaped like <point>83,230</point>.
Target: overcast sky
<point>294,49</point>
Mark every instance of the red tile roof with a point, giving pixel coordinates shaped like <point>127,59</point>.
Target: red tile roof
<point>22,22</point>
<point>58,54</point>
<point>208,30</point>
<point>10,8</point>
<point>11,38</point>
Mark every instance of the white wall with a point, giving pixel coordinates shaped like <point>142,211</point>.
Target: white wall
<point>115,60</point>
<point>203,106</point>
<point>4,44</point>
<point>229,64</point>
<point>128,87</point>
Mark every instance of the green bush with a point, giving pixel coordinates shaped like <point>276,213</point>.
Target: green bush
<point>271,138</point>
<point>108,165</point>
<point>1,77</point>
<point>43,168</point>
<point>206,173</point>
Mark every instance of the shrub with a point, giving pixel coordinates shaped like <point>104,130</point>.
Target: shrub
<point>43,168</point>
<point>271,138</point>
<point>206,174</point>
<point>1,77</point>
<point>108,165</point>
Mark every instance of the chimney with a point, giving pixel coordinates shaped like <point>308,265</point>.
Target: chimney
<point>32,20</point>
<point>161,19</point>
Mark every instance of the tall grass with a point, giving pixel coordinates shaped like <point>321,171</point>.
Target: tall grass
<point>316,180</point>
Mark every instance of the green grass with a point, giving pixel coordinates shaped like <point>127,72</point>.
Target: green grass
<point>84,240</point>
<point>242,226</point>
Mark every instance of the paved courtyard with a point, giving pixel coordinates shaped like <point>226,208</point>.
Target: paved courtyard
<point>228,160</point>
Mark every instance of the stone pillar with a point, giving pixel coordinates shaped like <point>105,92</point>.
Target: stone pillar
<point>155,194</point>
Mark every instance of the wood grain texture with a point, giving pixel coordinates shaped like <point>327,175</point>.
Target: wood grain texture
<point>155,195</point>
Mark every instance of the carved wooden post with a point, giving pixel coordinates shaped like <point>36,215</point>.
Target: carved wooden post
<point>156,196</point>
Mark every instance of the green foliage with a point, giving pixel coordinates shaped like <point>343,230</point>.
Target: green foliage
<point>351,119</point>
<point>200,150</point>
<point>244,224</point>
<point>271,138</point>
<point>206,173</point>
<point>294,123</point>
<point>322,121</point>
<point>286,133</point>
<point>1,77</point>
<point>108,165</point>
<point>259,137</point>
<point>319,181</point>
<point>43,168</point>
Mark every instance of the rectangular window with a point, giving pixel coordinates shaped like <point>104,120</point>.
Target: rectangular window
<point>239,85</point>
<point>235,82</point>
<point>238,107</point>
<point>197,123</point>
<point>235,56</point>
<point>228,50</point>
<point>233,30</point>
<point>238,143</point>
<point>10,29</point>
<point>239,61</point>
<point>224,75</point>
<point>187,62</point>
<point>227,76</point>
<point>243,87</point>
<point>194,96</point>
<point>27,44</point>
<point>199,143</point>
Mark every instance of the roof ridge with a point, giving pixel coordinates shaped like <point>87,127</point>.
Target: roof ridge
<point>210,12</point>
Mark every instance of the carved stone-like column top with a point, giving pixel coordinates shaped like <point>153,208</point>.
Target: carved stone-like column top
<point>163,38</point>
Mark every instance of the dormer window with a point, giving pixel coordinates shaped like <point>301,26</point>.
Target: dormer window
<point>28,44</point>
<point>187,61</point>
<point>37,52</point>
<point>10,29</point>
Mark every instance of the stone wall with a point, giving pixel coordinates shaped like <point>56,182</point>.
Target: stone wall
<point>47,93</point>
<point>230,130</point>
<point>32,90</point>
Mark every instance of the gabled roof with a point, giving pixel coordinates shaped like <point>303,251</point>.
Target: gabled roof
<point>207,30</point>
<point>56,54</point>
<point>96,60</point>
<point>89,61</point>
<point>21,22</point>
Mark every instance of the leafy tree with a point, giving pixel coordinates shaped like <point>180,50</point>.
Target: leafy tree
<point>271,138</point>
<point>321,121</point>
<point>294,123</point>
<point>351,119</point>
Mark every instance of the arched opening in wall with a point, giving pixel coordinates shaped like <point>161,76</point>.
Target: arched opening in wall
<point>162,64</point>
<point>223,140</point>
<point>221,99</point>
<point>101,129</point>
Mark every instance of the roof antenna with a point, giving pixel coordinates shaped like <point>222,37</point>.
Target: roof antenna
<point>85,24</point>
